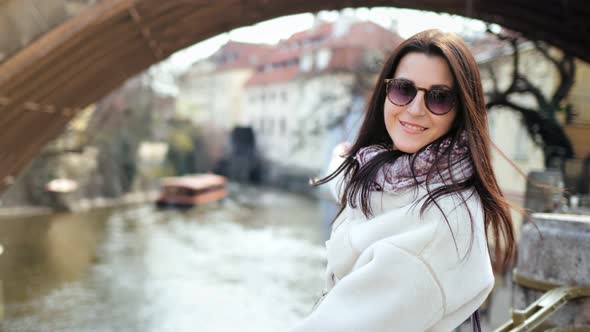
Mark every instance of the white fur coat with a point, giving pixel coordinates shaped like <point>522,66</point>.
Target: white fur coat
<point>400,271</point>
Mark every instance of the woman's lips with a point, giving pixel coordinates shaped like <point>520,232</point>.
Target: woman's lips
<point>412,128</point>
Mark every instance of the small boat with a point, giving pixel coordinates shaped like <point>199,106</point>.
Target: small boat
<point>191,190</point>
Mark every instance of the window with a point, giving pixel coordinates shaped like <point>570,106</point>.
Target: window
<point>323,58</point>
<point>306,63</point>
<point>283,126</point>
<point>271,123</point>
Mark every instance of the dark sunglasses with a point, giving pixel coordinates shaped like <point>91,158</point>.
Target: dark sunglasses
<point>438,100</point>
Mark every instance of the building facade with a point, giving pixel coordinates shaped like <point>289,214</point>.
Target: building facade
<point>308,86</point>
<point>211,91</point>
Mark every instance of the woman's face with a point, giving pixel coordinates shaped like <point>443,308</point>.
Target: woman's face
<point>413,126</point>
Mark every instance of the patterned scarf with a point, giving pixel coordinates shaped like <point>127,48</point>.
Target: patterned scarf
<point>397,176</point>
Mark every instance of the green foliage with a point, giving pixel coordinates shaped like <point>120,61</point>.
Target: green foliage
<point>182,140</point>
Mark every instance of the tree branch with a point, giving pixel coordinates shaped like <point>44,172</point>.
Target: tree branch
<point>566,68</point>
<point>544,131</point>
<point>528,87</point>
<point>513,41</point>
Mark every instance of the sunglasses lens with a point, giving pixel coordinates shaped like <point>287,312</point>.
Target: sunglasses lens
<point>439,101</point>
<point>401,92</point>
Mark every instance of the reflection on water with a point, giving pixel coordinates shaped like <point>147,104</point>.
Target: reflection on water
<point>228,267</point>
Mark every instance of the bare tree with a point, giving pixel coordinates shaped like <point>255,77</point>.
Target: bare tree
<point>541,122</point>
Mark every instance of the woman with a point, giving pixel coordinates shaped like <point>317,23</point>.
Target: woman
<point>408,250</point>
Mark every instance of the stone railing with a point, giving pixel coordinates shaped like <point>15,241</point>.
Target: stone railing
<point>552,277</point>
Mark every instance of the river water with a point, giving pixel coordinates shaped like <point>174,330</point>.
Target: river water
<point>253,263</point>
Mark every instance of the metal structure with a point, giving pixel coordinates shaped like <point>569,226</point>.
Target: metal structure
<point>72,65</point>
<point>535,314</point>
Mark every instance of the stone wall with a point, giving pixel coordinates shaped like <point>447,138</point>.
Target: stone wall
<point>556,249</point>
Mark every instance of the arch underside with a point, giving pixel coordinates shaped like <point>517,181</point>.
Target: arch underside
<point>43,85</point>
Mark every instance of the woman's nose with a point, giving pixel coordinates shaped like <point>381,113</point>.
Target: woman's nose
<point>417,107</point>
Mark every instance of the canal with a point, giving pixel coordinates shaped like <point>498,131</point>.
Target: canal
<point>250,263</point>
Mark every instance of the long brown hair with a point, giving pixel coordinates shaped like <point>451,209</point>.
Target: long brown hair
<point>471,120</point>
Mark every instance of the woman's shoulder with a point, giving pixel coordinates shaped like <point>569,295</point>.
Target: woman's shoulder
<point>448,224</point>
<point>457,205</point>
<point>459,218</point>
<point>419,201</point>
<point>459,241</point>
<point>399,219</point>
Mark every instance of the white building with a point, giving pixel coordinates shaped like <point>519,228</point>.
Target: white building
<point>211,91</point>
<point>307,85</point>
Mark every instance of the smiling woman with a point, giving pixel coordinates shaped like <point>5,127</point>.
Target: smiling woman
<point>420,118</point>
<point>409,249</point>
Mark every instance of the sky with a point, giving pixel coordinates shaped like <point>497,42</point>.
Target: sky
<point>405,21</point>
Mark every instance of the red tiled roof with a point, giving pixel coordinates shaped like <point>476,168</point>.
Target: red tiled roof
<point>346,58</point>
<point>347,50</point>
<point>281,54</point>
<point>235,55</point>
<point>368,35</point>
<point>294,46</point>
<point>322,29</point>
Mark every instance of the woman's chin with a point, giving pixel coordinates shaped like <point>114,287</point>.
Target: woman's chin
<point>408,148</point>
